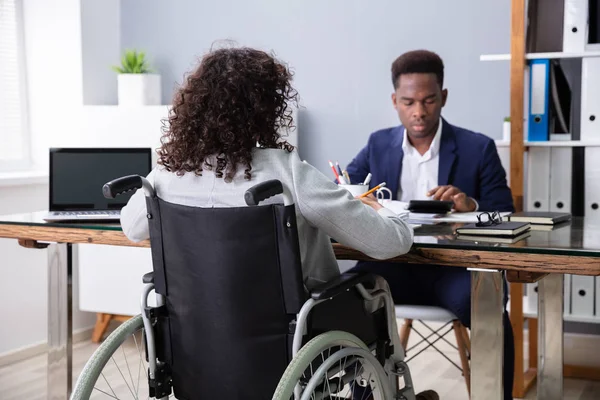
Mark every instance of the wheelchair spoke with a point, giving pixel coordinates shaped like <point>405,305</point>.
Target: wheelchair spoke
<point>123,376</point>
<point>129,370</point>
<point>354,380</point>
<point>327,380</point>
<point>139,365</point>
<point>108,394</point>
<point>369,385</point>
<point>110,387</point>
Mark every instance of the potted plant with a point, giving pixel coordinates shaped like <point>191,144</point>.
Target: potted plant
<point>137,85</point>
<point>506,130</point>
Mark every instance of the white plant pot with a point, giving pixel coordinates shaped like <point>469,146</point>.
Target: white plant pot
<point>506,131</point>
<point>139,89</point>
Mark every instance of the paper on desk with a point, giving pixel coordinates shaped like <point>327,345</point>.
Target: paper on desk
<point>400,208</point>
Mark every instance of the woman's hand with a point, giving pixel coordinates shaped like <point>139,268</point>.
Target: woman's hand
<point>371,201</point>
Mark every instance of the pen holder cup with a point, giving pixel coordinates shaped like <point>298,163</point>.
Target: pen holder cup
<point>381,195</point>
<point>356,190</point>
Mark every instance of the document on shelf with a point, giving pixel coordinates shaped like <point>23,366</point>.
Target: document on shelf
<point>400,208</point>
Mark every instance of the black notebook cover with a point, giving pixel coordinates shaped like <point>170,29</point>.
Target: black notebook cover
<point>540,217</point>
<point>502,229</point>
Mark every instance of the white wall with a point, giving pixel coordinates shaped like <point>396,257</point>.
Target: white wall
<point>53,57</point>
<point>341,52</point>
<point>25,278</point>
<point>54,73</point>
<point>100,38</point>
<point>58,53</point>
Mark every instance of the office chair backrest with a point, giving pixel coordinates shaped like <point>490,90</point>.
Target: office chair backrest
<point>233,283</point>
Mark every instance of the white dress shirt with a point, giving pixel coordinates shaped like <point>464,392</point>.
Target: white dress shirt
<point>420,172</point>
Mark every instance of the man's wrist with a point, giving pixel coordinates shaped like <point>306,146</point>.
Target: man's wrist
<point>475,203</point>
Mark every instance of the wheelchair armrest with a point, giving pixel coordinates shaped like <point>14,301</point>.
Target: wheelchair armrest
<point>340,284</point>
<point>148,278</point>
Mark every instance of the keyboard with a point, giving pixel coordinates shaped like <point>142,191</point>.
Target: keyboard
<point>83,215</point>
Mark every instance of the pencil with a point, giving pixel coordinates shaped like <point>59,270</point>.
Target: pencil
<point>382,184</point>
<point>347,177</point>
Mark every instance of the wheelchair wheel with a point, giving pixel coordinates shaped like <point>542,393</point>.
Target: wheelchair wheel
<point>118,368</point>
<point>334,365</point>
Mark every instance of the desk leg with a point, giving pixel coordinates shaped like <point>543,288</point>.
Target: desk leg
<point>60,321</point>
<point>487,335</point>
<point>550,338</point>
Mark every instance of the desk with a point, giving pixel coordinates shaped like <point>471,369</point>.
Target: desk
<point>542,255</point>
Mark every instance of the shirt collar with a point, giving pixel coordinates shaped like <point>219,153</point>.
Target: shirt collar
<point>434,147</point>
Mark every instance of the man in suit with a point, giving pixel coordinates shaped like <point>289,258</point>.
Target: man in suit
<point>428,158</point>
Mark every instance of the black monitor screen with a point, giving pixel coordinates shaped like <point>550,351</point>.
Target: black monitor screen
<point>77,176</point>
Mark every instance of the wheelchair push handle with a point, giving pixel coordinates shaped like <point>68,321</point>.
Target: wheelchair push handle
<point>263,191</point>
<point>118,186</point>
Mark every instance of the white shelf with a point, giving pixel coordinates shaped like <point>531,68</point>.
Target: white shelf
<point>553,143</point>
<point>22,178</point>
<point>563,143</point>
<point>532,313</point>
<point>533,56</point>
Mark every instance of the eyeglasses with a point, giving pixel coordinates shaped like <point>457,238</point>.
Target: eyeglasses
<point>489,219</point>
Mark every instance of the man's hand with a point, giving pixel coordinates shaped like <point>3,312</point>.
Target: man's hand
<point>462,203</point>
<point>371,201</point>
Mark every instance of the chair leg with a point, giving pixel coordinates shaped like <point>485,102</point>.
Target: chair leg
<point>405,332</point>
<point>102,322</point>
<point>467,338</point>
<point>462,351</point>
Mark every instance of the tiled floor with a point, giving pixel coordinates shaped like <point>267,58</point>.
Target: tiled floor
<point>27,379</point>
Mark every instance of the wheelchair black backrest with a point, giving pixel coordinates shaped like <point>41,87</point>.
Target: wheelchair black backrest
<point>232,283</point>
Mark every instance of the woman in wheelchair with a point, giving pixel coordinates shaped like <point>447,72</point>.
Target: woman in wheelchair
<point>250,303</point>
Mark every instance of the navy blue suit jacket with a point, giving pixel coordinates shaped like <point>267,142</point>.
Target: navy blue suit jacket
<point>468,160</point>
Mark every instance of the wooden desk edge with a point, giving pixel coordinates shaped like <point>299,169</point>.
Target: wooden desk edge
<point>32,235</point>
<point>530,266</point>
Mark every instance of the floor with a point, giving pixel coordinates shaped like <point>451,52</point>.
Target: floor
<point>27,379</point>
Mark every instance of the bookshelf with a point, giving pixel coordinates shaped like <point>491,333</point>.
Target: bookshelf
<point>518,146</point>
<point>552,143</point>
<point>537,56</point>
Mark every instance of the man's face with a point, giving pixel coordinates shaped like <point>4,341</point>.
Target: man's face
<point>419,101</point>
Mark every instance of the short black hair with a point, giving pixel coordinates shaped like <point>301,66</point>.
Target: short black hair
<point>420,62</point>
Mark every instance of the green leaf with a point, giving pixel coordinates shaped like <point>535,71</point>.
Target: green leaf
<point>133,62</point>
<point>130,57</point>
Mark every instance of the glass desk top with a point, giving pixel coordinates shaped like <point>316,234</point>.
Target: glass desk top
<point>578,237</point>
<point>37,219</point>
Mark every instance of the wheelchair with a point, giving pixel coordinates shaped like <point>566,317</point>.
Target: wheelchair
<point>233,319</point>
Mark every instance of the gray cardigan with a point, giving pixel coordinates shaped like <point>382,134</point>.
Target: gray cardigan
<point>323,210</point>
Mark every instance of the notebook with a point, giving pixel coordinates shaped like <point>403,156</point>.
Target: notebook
<point>549,228</point>
<point>540,217</point>
<point>78,174</point>
<point>495,239</point>
<point>502,229</point>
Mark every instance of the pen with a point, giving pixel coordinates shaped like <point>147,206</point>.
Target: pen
<point>382,184</point>
<point>338,168</point>
<point>367,179</point>
<point>338,177</point>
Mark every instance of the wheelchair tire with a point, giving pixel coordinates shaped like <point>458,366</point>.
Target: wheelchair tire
<point>93,368</point>
<point>350,345</point>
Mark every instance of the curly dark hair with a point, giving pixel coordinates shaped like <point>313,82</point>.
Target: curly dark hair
<point>418,61</point>
<point>235,100</point>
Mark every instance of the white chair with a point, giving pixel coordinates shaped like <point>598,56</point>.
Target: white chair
<point>410,313</point>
